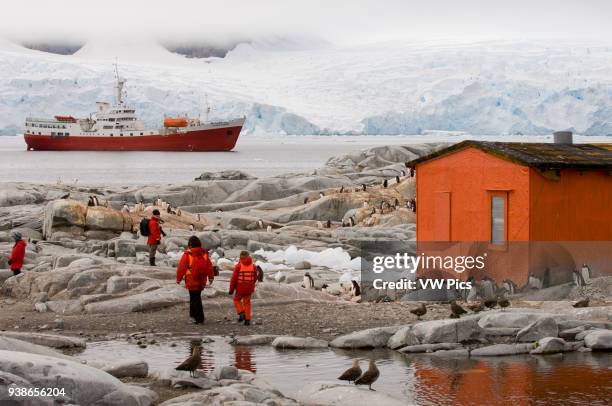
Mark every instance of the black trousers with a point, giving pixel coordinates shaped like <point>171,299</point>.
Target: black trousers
<point>195,306</point>
<point>16,271</point>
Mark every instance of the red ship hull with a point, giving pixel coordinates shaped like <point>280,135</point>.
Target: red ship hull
<point>210,139</point>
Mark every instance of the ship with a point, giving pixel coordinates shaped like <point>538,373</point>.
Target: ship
<point>116,127</point>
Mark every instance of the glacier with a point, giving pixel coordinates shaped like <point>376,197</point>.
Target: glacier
<point>407,87</point>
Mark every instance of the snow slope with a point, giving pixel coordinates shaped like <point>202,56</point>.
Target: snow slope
<point>385,88</point>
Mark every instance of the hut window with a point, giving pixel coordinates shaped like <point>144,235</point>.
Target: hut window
<point>498,219</point>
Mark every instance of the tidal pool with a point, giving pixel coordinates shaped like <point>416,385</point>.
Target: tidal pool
<point>424,379</point>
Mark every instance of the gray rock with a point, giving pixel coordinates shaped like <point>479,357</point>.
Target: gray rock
<point>599,340</point>
<point>288,342</point>
<point>541,328</point>
<point>570,334</point>
<point>226,372</point>
<point>507,319</point>
<point>12,344</point>
<point>302,265</point>
<point>48,340</point>
<point>550,345</point>
<point>370,338</point>
<point>123,368</point>
<point>125,248</point>
<point>338,394</point>
<point>83,384</point>
<point>502,349</point>
<point>254,340</point>
<point>409,349</point>
<point>447,330</point>
<point>403,337</point>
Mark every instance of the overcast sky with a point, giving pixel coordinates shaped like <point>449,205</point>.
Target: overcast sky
<point>337,21</point>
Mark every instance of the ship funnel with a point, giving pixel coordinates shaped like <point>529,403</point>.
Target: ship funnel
<point>563,137</point>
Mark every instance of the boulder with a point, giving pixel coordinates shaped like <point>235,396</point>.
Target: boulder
<point>570,333</point>
<point>104,218</point>
<point>258,339</point>
<point>288,342</point>
<point>83,384</point>
<point>125,248</point>
<point>48,340</point>
<point>226,372</point>
<point>156,299</point>
<point>403,337</point>
<point>502,349</point>
<point>513,319</point>
<point>447,330</point>
<point>339,394</point>
<point>599,340</point>
<point>123,368</point>
<point>370,338</point>
<point>550,345</point>
<point>541,328</point>
<point>12,344</point>
<point>429,347</point>
<point>63,213</point>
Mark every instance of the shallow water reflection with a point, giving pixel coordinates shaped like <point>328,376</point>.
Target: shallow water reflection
<point>569,379</point>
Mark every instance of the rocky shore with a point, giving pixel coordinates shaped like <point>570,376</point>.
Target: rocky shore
<point>86,278</point>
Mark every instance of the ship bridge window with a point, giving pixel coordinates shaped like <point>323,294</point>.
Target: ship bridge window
<point>141,134</point>
<point>121,135</point>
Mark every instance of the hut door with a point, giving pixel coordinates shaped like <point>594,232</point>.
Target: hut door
<point>442,212</point>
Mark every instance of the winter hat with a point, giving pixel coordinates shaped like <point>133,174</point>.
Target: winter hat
<point>16,235</point>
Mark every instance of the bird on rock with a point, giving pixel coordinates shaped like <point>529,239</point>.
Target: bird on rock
<point>370,376</point>
<point>582,303</point>
<point>352,373</point>
<point>192,363</point>
<point>456,309</point>
<point>490,303</point>
<point>503,302</point>
<point>419,311</point>
<point>476,307</point>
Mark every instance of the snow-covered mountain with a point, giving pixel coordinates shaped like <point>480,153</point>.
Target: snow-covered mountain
<point>316,88</point>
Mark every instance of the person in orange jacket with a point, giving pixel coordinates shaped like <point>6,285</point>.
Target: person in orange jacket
<point>155,234</point>
<point>196,268</point>
<point>244,278</point>
<point>17,254</point>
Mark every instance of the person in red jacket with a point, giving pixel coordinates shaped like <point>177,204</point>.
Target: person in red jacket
<point>17,255</point>
<point>155,234</point>
<point>244,278</point>
<point>195,267</point>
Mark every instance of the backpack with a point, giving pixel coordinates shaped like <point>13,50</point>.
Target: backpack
<point>144,227</point>
<point>260,274</point>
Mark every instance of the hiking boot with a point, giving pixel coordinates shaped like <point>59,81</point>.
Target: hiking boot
<point>240,317</point>
<point>247,322</point>
<point>152,261</point>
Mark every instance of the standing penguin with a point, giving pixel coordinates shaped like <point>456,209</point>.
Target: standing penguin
<point>308,281</point>
<point>363,187</point>
<point>306,200</point>
<point>319,224</point>
<point>341,190</point>
<point>328,223</point>
<point>396,203</point>
<point>352,221</point>
<point>355,289</point>
<point>269,229</point>
<point>260,223</point>
<point>586,273</point>
<point>397,179</point>
<point>321,194</point>
<point>385,183</point>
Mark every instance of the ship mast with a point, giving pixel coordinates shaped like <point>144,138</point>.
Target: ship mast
<point>119,87</point>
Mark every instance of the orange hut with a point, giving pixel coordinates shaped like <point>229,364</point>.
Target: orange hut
<point>539,208</point>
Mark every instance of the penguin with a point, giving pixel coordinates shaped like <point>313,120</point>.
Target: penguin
<point>365,204</point>
<point>126,208</point>
<point>397,179</point>
<point>352,221</point>
<point>385,183</point>
<point>355,289</point>
<point>363,187</point>
<point>260,224</point>
<point>198,217</point>
<point>373,212</point>
<point>90,202</point>
<point>106,203</point>
<point>269,229</point>
<point>96,201</point>
<point>534,281</point>
<point>412,172</point>
<point>341,189</point>
<point>509,286</point>
<point>321,194</point>
<point>578,279</point>
<point>319,224</point>
<point>306,200</point>
<point>179,213</point>
<point>403,173</point>
<point>191,227</point>
<point>586,273</point>
<point>328,223</point>
<point>308,281</point>
<point>396,203</point>
<point>280,277</point>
